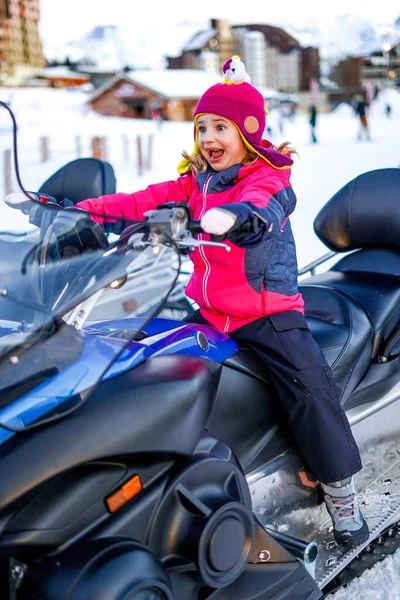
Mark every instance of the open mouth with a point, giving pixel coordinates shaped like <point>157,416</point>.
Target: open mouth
<point>215,153</point>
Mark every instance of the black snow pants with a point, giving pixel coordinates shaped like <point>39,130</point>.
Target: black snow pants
<point>305,387</point>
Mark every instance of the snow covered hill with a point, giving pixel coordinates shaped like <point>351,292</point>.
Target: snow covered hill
<point>344,36</point>
<point>113,47</point>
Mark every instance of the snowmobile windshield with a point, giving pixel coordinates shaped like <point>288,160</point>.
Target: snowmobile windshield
<point>55,265</point>
<point>47,270</point>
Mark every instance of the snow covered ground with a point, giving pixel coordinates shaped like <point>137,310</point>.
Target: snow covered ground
<point>320,170</point>
<point>382,582</point>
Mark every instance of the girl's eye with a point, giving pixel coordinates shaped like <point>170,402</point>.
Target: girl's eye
<point>202,129</point>
<point>221,127</point>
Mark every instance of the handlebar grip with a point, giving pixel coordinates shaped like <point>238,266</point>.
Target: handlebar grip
<point>195,227</point>
<point>247,227</point>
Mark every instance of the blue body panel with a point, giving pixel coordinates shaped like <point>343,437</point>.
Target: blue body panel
<point>164,337</point>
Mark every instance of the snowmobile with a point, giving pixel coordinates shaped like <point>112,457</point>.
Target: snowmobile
<point>145,457</point>
<point>111,485</point>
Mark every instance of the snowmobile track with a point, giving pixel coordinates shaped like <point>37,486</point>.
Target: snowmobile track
<point>380,504</point>
<point>382,547</point>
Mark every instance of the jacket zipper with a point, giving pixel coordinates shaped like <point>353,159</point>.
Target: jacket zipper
<point>228,322</point>
<point>201,248</point>
<point>203,254</point>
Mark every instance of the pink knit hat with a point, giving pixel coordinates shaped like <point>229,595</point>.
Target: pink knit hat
<point>237,100</point>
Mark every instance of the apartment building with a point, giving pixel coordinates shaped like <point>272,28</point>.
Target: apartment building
<point>20,47</point>
<point>273,58</point>
<point>366,74</point>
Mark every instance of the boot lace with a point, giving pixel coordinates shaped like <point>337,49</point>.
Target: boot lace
<point>345,507</point>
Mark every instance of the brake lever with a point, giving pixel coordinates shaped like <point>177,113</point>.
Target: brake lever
<point>191,242</point>
<point>172,224</point>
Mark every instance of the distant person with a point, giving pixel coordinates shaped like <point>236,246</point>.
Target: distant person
<point>164,113</point>
<point>313,123</point>
<point>275,121</point>
<point>234,177</point>
<point>361,110</point>
<point>292,111</point>
<point>272,129</point>
<point>281,120</point>
<point>388,111</point>
<point>156,116</point>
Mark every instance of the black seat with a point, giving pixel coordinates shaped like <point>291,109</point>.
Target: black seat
<point>357,302</point>
<point>80,179</point>
<point>343,330</point>
<point>377,293</point>
<point>339,325</point>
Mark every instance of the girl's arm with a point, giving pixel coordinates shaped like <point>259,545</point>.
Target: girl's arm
<point>266,205</point>
<point>133,206</point>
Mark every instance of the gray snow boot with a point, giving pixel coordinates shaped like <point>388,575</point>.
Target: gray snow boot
<point>349,526</point>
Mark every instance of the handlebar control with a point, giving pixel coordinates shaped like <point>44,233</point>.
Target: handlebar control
<point>195,227</point>
<point>171,224</point>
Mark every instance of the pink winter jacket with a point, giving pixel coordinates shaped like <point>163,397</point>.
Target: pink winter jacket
<point>258,277</point>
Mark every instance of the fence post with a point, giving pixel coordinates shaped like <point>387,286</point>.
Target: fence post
<point>44,149</point>
<point>7,172</point>
<point>96,147</point>
<point>125,146</point>
<point>78,146</point>
<point>139,155</point>
<point>103,142</point>
<point>149,162</point>
<point>99,147</point>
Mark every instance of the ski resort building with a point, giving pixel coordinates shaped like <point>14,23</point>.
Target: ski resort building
<point>171,94</point>
<point>21,51</point>
<point>273,58</point>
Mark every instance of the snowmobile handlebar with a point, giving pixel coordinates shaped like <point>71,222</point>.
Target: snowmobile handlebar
<point>171,224</point>
<point>195,227</point>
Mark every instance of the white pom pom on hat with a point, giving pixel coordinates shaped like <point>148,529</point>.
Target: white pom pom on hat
<point>235,71</point>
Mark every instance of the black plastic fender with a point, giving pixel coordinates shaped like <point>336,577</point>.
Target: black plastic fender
<point>109,569</point>
<point>204,522</point>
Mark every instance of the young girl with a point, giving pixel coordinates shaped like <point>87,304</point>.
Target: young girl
<point>232,178</point>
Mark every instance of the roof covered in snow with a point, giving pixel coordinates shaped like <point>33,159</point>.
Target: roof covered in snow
<point>198,41</point>
<point>61,73</point>
<point>169,83</point>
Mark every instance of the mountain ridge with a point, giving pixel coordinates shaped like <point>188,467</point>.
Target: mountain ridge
<point>114,47</point>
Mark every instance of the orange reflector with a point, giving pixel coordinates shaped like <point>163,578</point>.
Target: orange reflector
<point>124,494</point>
<point>306,481</point>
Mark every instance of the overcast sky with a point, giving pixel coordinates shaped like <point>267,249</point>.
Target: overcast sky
<point>64,20</point>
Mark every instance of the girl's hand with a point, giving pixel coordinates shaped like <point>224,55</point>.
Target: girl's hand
<point>217,221</point>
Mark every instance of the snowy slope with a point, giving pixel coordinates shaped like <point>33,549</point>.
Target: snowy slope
<point>112,47</point>
<point>344,36</point>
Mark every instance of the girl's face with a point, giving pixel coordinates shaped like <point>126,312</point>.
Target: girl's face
<point>219,142</point>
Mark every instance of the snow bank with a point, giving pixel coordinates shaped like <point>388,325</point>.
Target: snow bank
<point>379,583</point>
